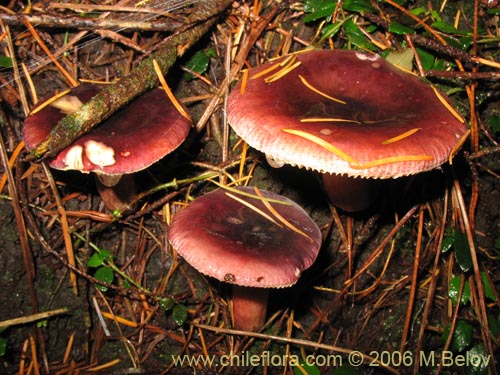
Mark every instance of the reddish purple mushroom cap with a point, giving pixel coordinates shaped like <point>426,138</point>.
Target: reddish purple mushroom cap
<point>344,112</point>
<point>132,139</point>
<point>225,239</point>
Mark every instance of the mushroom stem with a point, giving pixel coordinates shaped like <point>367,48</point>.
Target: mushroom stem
<point>249,307</point>
<point>116,195</point>
<point>349,193</point>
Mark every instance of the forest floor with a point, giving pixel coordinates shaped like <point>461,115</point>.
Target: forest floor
<point>390,283</point>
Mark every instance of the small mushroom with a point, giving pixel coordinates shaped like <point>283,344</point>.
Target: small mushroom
<point>252,239</point>
<point>349,115</point>
<point>131,140</point>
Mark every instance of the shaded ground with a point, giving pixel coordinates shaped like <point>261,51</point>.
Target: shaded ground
<point>166,308</point>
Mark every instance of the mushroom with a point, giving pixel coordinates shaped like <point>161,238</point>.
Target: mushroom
<point>131,140</point>
<point>252,239</point>
<point>349,115</point>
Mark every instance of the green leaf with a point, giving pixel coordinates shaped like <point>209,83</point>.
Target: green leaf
<point>346,370</point>
<point>478,364</point>
<point>179,313</point>
<point>198,63</point>
<point>446,28</point>
<point>462,251</point>
<point>462,336</point>
<point>95,260</point>
<point>5,62</point>
<point>3,346</point>
<point>448,241</point>
<point>356,36</point>
<point>104,274</point>
<point>310,369</point>
<point>494,324</point>
<point>488,288</point>
<point>357,6</point>
<point>318,9</point>
<point>494,122</point>
<point>166,303</point>
<point>397,28</point>
<point>454,289</point>
<point>426,59</point>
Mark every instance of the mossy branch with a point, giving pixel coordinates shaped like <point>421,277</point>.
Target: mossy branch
<point>141,78</point>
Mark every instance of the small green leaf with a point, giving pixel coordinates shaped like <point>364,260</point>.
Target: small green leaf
<point>3,346</point>
<point>356,36</point>
<point>448,241</point>
<point>317,9</point>
<point>198,63</point>
<point>426,59</point>
<point>488,288</point>
<point>310,369</point>
<point>494,324</point>
<point>454,289</point>
<point>166,303</point>
<point>446,28</point>
<point>478,363</point>
<point>494,122</point>
<point>461,337</point>
<point>95,260</point>
<point>462,251</point>
<point>357,5</point>
<point>5,62</point>
<point>179,313</point>
<point>104,274</point>
<point>397,28</point>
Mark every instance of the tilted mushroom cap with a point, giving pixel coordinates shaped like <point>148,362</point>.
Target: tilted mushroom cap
<point>225,239</point>
<point>344,112</point>
<point>132,139</point>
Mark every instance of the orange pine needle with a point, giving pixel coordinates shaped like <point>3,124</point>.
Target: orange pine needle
<point>12,160</point>
<point>252,207</point>
<point>279,217</point>
<point>169,92</point>
<point>391,160</point>
<point>447,105</point>
<point>321,142</point>
<point>401,136</point>
<point>317,91</point>
<point>50,101</point>
<point>244,80</point>
<point>120,319</point>
<point>328,119</point>
<point>281,73</point>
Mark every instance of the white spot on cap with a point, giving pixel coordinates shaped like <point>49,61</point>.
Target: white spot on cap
<point>366,56</point>
<point>297,272</point>
<point>326,131</point>
<point>375,65</point>
<point>73,158</point>
<point>99,154</point>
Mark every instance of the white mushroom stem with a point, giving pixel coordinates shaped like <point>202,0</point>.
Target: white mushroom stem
<point>349,193</point>
<point>249,307</point>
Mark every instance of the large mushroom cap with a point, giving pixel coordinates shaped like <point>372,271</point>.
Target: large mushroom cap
<point>225,239</point>
<point>132,139</point>
<point>344,112</point>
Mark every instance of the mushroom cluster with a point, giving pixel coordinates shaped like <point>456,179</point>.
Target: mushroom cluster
<point>131,140</point>
<point>346,114</point>
<point>252,239</point>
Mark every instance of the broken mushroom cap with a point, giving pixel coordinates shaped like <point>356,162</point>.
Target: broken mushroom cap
<point>130,140</point>
<point>344,112</point>
<point>253,239</point>
<point>231,241</point>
